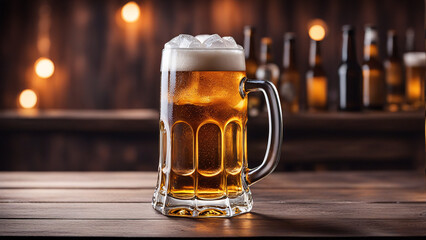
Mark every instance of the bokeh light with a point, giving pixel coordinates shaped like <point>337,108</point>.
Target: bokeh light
<point>130,12</point>
<point>317,32</point>
<point>28,98</point>
<point>44,67</point>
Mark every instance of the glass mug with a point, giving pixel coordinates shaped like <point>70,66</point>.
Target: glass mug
<point>203,168</point>
<point>415,66</point>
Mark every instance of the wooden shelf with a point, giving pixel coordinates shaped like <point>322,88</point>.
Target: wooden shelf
<point>147,120</point>
<point>361,121</point>
<point>80,120</point>
<point>119,139</point>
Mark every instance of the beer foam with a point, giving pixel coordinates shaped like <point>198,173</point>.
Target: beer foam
<point>415,59</point>
<point>202,53</point>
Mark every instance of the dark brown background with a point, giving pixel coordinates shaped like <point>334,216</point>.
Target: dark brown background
<point>103,63</point>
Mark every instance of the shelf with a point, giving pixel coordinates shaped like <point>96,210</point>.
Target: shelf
<point>147,120</point>
<point>119,139</point>
<point>361,121</point>
<point>80,120</point>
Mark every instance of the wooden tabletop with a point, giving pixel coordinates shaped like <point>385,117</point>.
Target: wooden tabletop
<point>285,204</point>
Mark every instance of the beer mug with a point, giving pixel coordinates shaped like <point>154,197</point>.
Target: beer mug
<point>203,168</point>
<point>415,66</point>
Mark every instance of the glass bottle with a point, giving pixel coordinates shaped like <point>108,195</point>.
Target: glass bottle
<point>290,78</point>
<point>267,69</point>
<point>393,74</point>
<point>316,80</point>
<point>374,87</point>
<point>350,74</point>
<point>255,99</point>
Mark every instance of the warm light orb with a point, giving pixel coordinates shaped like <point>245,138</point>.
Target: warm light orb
<point>28,98</point>
<point>44,67</point>
<point>130,12</point>
<point>317,32</point>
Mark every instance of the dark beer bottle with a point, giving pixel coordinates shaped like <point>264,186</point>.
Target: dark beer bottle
<point>374,90</point>
<point>393,69</point>
<point>350,74</point>
<point>290,77</point>
<point>267,69</point>
<point>254,99</point>
<point>409,40</point>
<point>316,80</point>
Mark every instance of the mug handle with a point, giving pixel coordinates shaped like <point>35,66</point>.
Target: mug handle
<point>273,150</point>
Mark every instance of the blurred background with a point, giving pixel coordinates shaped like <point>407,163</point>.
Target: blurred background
<point>92,69</point>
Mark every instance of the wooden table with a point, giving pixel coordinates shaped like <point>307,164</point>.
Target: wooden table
<point>285,204</point>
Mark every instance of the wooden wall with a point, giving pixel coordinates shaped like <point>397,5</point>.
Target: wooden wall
<point>103,63</point>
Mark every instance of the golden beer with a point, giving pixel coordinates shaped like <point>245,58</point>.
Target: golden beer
<point>415,67</point>
<point>207,126</point>
<point>203,168</point>
<point>394,74</point>
<point>374,83</point>
<point>316,80</point>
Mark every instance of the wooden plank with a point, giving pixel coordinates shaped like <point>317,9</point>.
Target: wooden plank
<point>234,227</point>
<point>80,120</point>
<point>76,195</point>
<point>363,180</point>
<point>117,114</point>
<point>286,204</point>
<point>296,180</point>
<point>353,121</point>
<point>340,195</point>
<point>343,210</point>
<point>259,194</point>
<point>77,179</point>
<point>144,119</point>
<point>72,134</point>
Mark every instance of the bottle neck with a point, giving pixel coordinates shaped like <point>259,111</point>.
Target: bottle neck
<point>265,53</point>
<point>315,54</point>
<point>289,55</point>
<point>392,46</point>
<point>409,40</point>
<point>348,46</point>
<point>249,50</point>
<point>371,48</point>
